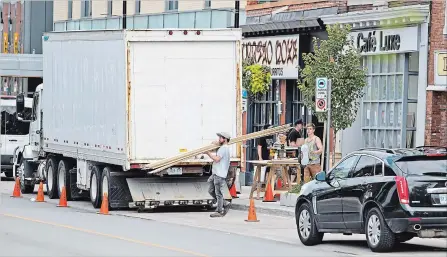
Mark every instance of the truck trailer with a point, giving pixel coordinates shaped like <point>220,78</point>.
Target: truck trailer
<point>114,101</point>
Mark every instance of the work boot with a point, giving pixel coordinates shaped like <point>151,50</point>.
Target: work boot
<point>227,206</point>
<point>216,215</point>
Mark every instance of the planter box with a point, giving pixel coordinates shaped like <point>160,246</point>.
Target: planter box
<point>288,199</point>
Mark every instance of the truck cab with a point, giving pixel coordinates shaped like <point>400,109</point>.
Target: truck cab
<point>14,132</point>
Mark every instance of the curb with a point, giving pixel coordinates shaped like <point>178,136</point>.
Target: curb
<point>268,211</point>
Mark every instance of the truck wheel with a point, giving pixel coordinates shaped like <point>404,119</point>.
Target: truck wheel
<point>8,174</point>
<point>105,183</point>
<point>52,190</point>
<point>20,172</point>
<point>95,187</point>
<point>64,178</point>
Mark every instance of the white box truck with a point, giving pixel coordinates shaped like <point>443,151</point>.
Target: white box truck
<point>112,102</point>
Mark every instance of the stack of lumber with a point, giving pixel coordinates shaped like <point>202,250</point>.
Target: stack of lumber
<point>169,162</point>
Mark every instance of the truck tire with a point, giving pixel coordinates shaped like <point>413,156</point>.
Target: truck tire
<point>64,178</point>
<point>20,173</point>
<point>51,171</point>
<point>95,187</point>
<point>105,183</point>
<point>8,174</point>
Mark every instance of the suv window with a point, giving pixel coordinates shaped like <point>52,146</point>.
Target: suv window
<point>426,166</point>
<point>343,168</point>
<point>365,167</point>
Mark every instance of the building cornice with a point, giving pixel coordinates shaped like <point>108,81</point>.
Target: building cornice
<point>399,16</point>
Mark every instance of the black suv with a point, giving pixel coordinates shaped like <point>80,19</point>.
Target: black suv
<point>390,195</point>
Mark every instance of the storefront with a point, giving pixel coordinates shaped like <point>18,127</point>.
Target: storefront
<point>392,110</point>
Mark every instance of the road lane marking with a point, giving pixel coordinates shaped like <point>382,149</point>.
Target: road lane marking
<point>107,235</point>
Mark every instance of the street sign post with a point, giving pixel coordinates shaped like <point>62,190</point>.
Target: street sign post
<point>321,94</point>
<point>323,104</point>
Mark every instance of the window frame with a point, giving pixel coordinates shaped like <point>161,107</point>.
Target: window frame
<point>175,4</point>
<point>344,159</point>
<point>445,19</point>
<point>351,175</point>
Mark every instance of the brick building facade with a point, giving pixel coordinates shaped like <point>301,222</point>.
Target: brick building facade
<point>436,123</point>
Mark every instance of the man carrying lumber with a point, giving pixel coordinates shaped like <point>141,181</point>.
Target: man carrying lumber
<point>221,165</point>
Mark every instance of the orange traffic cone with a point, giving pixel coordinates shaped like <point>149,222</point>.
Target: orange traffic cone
<point>252,212</point>
<point>40,197</point>
<point>233,192</point>
<point>104,206</point>
<point>16,193</point>
<point>279,183</point>
<point>268,196</point>
<point>63,198</point>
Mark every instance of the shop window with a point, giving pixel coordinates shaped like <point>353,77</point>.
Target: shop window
<point>109,7</point>
<point>392,83</point>
<point>207,4</point>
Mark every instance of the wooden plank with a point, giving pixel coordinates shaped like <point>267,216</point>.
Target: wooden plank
<point>162,165</point>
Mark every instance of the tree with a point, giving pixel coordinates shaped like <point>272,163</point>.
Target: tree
<point>337,59</point>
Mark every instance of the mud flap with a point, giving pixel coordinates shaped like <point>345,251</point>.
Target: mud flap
<point>149,193</point>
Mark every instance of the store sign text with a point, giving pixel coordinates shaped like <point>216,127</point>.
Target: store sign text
<point>370,44</point>
<point>396,40</point>
<point>281,54</point>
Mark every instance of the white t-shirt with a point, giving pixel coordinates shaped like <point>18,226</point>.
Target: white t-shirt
<point>221,168</point>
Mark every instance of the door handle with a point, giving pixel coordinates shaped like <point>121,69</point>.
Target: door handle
<point>12,140</point>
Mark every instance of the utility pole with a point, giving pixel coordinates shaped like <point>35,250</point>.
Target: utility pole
<point>124,14</point>
<point>236,13</point>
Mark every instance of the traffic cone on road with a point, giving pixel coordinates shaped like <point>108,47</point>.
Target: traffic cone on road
<point>16,193</point>
<point>104,206</point>
<point>233,192</point>
<point>268,196</point>
<point>63,198</point>
<point>40,197</point>
<point>252,212</point>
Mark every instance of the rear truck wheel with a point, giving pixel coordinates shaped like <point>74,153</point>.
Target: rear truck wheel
<point>8,174</point>
<point>306,226</point>
<point>404,237</point>
<point>105,184</point>
<point>63,176</point>
<point>379,236</point>
<point>51,176</point>
<point>20,173</point>
<point>95,187</point>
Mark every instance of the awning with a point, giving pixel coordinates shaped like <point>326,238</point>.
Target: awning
<point>21,65</point>
<point>286,21</point>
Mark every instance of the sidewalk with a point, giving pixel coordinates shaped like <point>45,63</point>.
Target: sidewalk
<point>272,208</point>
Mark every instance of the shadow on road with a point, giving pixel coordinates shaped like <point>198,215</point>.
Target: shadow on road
<point>403,247</point>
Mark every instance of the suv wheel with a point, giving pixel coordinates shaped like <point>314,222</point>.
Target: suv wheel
<point>307,230</point>
<point>378,235</point>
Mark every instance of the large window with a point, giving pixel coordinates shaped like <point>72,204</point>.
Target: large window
<point>390,102</point>
<point>70,9</point>
<point>109,7</point>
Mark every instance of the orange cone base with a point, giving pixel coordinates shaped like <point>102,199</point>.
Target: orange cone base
<point>252,220</point>
<point>62,206</point>
<point>103,213</point>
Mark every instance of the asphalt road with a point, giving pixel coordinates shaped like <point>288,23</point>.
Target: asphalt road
<point>40,229</point>
<point>29,228</point>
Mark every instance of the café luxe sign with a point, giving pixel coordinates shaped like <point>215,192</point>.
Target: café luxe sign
<point>279,53</point>
<point>386,40</point>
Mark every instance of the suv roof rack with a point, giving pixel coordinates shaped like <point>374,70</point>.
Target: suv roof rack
<point>387,150</point>
<point>427,148</point>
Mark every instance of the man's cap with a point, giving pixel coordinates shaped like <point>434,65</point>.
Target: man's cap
<point>300,121</point>
<point>224,135</point>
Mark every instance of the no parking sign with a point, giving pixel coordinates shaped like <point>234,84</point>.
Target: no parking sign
<point>321,95</point>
